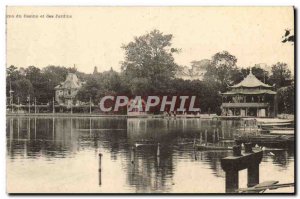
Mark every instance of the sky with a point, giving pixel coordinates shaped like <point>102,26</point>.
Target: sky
<point>93,36</point>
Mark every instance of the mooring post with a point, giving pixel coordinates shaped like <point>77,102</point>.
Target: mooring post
<point>53,107</point>
<point>205,134</point>
<point>253,175</point>
<point>237,150</point>
<point>223,133</point>
<point>250,127</point>
<point>29,104</point>
<point>231,181</point>
<point>214,136</point>
<point>35,105</point>
<point>100,178</point>
<point>100,162</point>
<point>200,137</point>
<point>194,143</point>
<point>132,155</point>
<point>233,164</point>
<point>232,173</point>
<point>100,168</point>
<point>253,169</point>
<point>158,149</point>
<point>72,106</point>
<point>218,135</point>
<point>18,104</point>
<point>90,105</point>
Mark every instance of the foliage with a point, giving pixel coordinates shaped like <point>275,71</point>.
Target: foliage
<point>223,69</point>
<point>286,96</point>
<point>149,62</point>
<point>149,69</point>
<point>280,75</point>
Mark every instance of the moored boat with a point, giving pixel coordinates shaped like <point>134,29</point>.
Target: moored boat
<point>277,141</point>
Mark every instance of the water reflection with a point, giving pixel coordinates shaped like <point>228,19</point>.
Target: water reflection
<point>131,168</point>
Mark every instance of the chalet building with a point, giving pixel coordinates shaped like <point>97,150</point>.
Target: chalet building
<point>66,91</point>
<point>138,108</point>
<point>251,98</point>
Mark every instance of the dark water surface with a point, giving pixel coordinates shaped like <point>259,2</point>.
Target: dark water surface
<point>61,155</point>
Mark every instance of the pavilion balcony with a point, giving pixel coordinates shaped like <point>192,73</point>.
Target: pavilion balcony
<point>245,105</point>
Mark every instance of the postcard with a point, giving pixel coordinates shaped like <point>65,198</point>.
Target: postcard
<point>150,100</point>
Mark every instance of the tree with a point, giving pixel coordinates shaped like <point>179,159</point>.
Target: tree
<point>111,81</point>
<point>89,90</point>
<point>222,69</point>
<point>100,84</point>
<point>288,37</point>
<point>286,103</point>
<point>258,72</point>
<point>281,75</point>
<point>40,84</point>
<point>23,89</point>
<point>12,75</point>
<point>150,57</point>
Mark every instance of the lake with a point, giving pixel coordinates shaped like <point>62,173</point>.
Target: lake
<point>61,155</point>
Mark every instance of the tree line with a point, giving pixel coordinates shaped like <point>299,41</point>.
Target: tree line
<point>149,68</point>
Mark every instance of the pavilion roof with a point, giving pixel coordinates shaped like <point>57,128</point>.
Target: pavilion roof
<point>250,82</point>
<point>250,92</point>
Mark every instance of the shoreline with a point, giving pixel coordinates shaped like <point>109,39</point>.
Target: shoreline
<point>60,115</point>
<point>204,116</point>
<point>87,115</point>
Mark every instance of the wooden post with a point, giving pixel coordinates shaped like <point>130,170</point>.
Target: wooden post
<point>231,181</point>
<point>18,129</point>
<point>71,105</point>
<point>100,162</point>
<point>158,150</point>
<point>28,127</point>
<point>205,137</point>
<point>90,105</point>
<point>90,127</point>
<point>53,130</point>
<point>132,155</point>
<point>233,164</point>
<point>100,168</point>
<point>35,105</point>
<point>200,138</point>
<point>253,175</point>
<point>100,178</point>
<point>217,135</point>
<point>250,126</point>
<point>223,134</point>
<point>214,136</point>
<point>18,104</point>
<point>158,161</point>
<point>194,143</point>
<point>53,106</point>
<point>35,128</point>
<point>29,104</point>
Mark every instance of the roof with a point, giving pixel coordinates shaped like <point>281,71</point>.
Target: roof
<point>251,81</point>
<point>71,82</point>
<point>250,92</point>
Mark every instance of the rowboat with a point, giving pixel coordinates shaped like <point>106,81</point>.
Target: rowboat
<point>282,131</point>
<point>267,185</point>
<point>212,147</point>
<point>277,141</point>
